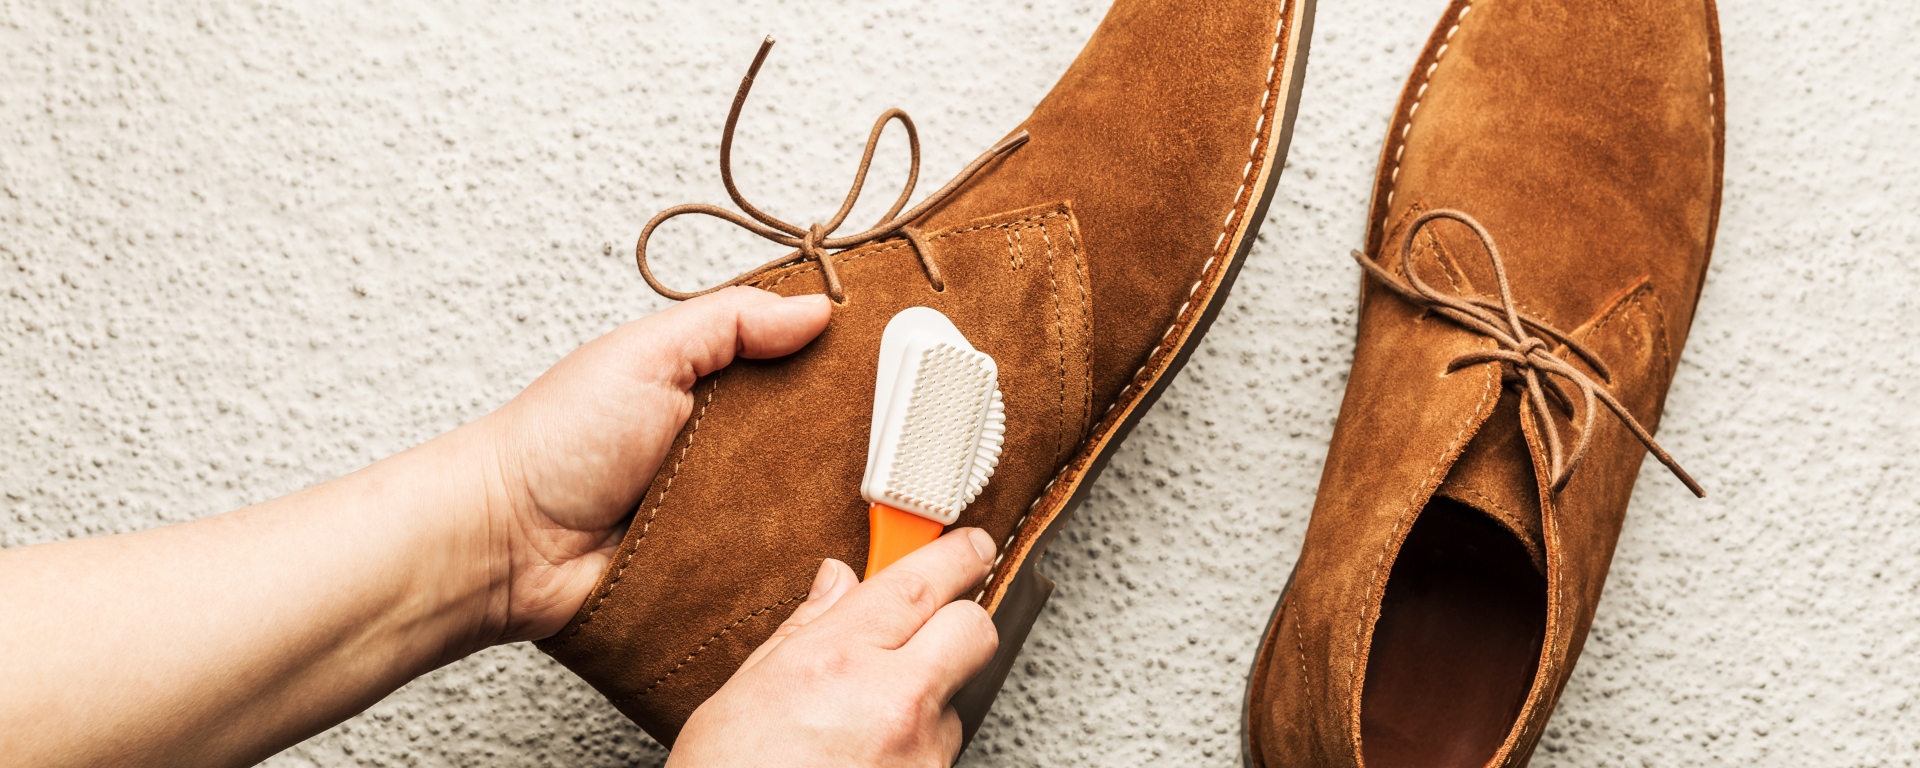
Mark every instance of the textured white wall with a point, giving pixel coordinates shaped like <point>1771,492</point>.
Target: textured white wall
<point>253,245</point>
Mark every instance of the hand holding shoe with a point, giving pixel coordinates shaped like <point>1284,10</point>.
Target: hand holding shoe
<point>581,444</point>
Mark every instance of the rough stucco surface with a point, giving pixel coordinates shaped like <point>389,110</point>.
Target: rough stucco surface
<point>248,247</point>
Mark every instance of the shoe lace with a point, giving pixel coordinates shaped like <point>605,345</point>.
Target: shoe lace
<point>1531,359</point>
<point>814,241</point>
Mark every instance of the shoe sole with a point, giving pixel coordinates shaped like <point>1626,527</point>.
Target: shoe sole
<point>1253,677</point>
<point>1018,606</point>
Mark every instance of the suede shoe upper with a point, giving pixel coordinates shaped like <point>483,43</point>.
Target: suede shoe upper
<point>1086,263</point>
<point>1587,138</point>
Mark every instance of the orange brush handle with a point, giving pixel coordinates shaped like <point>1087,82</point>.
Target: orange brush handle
<point>894,534</point>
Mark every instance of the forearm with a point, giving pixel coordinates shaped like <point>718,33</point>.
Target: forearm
<point>220,641</point>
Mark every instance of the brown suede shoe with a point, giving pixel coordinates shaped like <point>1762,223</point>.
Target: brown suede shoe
<point>1502,396</point>
<point>1088,261</point>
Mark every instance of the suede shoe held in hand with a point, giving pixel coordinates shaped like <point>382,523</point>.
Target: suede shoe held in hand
<point>1086,253</point>
<point>1541,226</point>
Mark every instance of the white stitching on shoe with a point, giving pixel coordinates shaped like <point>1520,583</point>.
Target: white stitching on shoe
<point>1234,213</point>
<point>1420,493</point>
<point>660,501</point>
<point>1393,176</point>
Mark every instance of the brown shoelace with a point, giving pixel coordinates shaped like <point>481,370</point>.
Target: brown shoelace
<point>814,242</point>
<point>1531,358</point>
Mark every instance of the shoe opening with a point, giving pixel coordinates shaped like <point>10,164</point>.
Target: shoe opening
<point>1457,644</point>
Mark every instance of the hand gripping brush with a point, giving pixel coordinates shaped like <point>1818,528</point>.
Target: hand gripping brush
<point>938,425</point>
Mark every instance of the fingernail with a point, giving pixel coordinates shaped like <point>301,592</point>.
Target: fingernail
<point>982,544</point>
<point>823,581</point>
<point>809,299</point>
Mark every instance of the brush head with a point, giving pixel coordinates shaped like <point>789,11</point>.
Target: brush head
<point>938,419</point>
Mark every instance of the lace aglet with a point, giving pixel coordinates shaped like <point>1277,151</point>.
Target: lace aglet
<point>1010,144</point>
<point>1687,480</point>
<point>759,58</point>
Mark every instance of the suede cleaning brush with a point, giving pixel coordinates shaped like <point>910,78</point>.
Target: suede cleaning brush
<point>938,425</point>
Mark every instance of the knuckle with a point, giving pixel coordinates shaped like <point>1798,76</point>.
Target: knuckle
<point>914,590</point>
<point>899,716</point>
<point>834,661</point>
<point>826,669</point>
<point>979,623</point>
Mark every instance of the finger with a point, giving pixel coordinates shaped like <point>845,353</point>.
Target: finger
<point>953,646</point>
<point>702,335</point>
<point>887,609</point>
<point>946,735</point>
<point>832,580</point>
<point>781,327</point>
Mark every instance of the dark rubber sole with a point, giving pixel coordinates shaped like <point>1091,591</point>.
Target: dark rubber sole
<point>1253,675</point>
<point>1029,589</point>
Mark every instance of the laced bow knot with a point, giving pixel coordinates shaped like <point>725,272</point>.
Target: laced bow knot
<point>810,248</point>
<point>816,241</point>
<point>1533,362</point>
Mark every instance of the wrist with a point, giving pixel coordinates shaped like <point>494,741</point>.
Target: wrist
<point>461,508</point>
<point>498,502</point>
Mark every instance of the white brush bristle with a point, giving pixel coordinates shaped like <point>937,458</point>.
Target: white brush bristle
<point>949,442</point>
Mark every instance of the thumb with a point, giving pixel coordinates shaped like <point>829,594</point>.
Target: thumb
<point>832,581</point>
<point>703,335</point>
<point>775,328</point>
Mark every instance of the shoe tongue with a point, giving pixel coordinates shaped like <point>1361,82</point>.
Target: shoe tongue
<point>1495,475</point>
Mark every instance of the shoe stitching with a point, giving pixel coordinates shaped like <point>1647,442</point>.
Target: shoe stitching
<point>1713,81</point>
<point>1483,499</point>
<point>1441,256</point>
<point>1450,266</point>
<point>1306,680</point>
<point>855,257</point>
<point>1086,324</point>
<point>1519,350</point>
<point>1716,110</point>
<point>1637,299</point>
<point>1269,654</point>
<point>1648,303</point>
<point>658,502</point>
<point>1659,332</point>
<point>1060,328</point>
<point>1261,138</point>
<point>1559,585</point>
<point>805,268</point>
<point>1227,227</point>
<point>607,590</point>
<point>1405,520</point>
<point>1393,176</point>
<point>1080,264</point>
<point>1550,645</point>
<point>703,646</point>
<point>1016,251</point>
<point>1256,150</point>
<point>1548,528</point>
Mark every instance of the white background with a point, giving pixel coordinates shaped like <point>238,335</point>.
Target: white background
<point>249,246</point>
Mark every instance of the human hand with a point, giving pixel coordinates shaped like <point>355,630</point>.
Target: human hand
<point>579,447</point>
<point>860,675</point>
